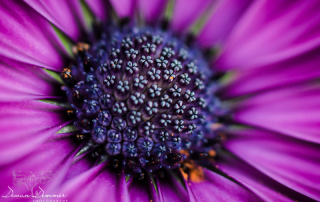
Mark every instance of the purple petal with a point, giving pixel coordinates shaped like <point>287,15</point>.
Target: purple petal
<point>170,189</point>
<point>293,111</point>
<point>43,158</point>
<point>152,10</point>
<point>27,37</point>
<point>218,188</point>
<point>82,182</point>
<point>124,8</point>
<point>191,196</point>
<point>272,31</point>
<point>19,82</point>
<point>97,184</point>
<point>186,12</point>
<point>66,15</point>
<point>295,70</point>
<point>26,125</point>
<point>292,162</point>
<point>263,186</point>
<point>79,167</point>
<point>222,21</point>
<point>98,7</point>
<point>62,170</point>
<point>142,190</point>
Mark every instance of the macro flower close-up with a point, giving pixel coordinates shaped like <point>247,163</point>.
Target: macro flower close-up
<point>159,100</point>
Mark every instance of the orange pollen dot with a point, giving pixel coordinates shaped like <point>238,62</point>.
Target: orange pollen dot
<point>212,153</point>
<point>185,152</point>
<point>80,47</point>
<point>192,172</point>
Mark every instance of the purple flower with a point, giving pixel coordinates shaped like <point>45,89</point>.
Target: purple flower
<point>191,101</point>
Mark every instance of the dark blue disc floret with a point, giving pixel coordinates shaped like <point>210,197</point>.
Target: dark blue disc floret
<point>105,118</point>
<point>99,134</point>
<point>106,101</point>
<point>183,54</point>
<point>154,74</point>
<point>131,54</point>
<point>162,62</point>
<point>167,52</point>
<point>134,118</point>
<point>189,96</point>
<point>149,48</point>
<point>179,107</point>
<point>116,65</point>
<point>192,68</point>
<point>146,128</point>
<point>130,134</point>
<point>91,107</point>
<point>175,90</point>
<point>113,149</point>
<point>137,98</point>
<point>150,109</point>
<point>142,97</point>
<point>146,61</point>
<point>122,90</point>
<point>165,120</point>
<point>114,135</point>
<point>140,82</point>
<point>129,149</point>
<point>114,53</point>
<point>178,125</point>
<point>94,92</point>
<point>145,144</point>
<point>161,136</point>
<point>154,91</point>
<point>165,101</point>
<point>132,68</point>
<point>169,75</point>
<point>176,65</point>
<point>119,123</point>
<point>109,80</point>
<point>184,79</point>
<point>126,43</point>
<point>119,109</point>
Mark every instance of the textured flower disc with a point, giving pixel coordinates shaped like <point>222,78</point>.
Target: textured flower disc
<point>143,98</point>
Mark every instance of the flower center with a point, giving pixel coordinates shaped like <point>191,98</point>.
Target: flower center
<point>143,98</point>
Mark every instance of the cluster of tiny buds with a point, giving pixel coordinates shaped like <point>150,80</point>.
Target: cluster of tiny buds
<point>142,96</point>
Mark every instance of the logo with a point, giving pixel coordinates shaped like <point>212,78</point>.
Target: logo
<point>32,183</point>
